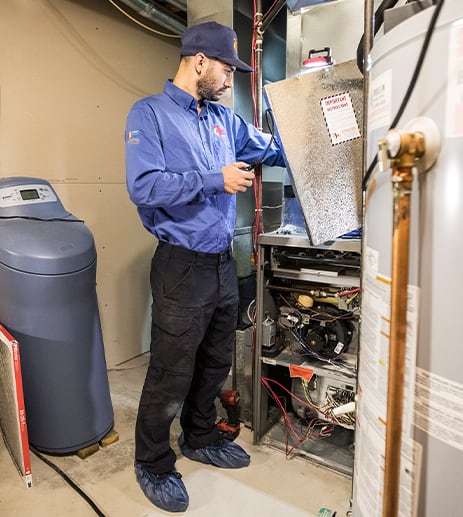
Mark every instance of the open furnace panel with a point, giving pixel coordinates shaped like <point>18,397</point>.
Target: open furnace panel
<point>307,311</point>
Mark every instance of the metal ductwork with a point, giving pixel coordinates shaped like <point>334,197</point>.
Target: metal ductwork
<point>160,15</point>
<point>180,4</point>
<point>296,5</point>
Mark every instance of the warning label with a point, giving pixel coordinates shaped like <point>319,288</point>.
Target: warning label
<point>340,118</point>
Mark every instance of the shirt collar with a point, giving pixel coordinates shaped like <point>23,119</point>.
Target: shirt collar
<point>181,97</point>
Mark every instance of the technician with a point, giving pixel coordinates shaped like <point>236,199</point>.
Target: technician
<point>185,157</point>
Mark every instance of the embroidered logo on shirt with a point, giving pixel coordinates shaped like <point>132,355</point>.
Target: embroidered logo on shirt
<point>218,131</point>
<point>133,137</point>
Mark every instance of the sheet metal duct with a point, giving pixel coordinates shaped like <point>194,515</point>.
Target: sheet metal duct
<point>318,116</point>
<point>180,4</point>
<point>295,5</point>
<point>158,14</point>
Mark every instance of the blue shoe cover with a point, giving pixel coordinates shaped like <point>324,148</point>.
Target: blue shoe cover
<point>165,491</point>
<point>224,454</point>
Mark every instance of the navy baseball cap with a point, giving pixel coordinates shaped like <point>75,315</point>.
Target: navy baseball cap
<point>213,40</point>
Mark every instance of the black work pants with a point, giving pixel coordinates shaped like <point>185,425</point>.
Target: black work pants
<point>194,317</point>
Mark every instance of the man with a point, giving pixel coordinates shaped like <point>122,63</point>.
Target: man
<point>185,159</point>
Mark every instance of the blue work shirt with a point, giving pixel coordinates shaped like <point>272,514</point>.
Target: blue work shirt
<point>174,158</point>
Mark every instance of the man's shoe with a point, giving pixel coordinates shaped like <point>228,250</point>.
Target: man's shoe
<point>165,491</point>
<point>225,454</point>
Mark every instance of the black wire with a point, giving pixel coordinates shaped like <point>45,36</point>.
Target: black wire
<point>268,118</point>
<point>30,218</point>
<point>411,84</point>
<point>69,481</point>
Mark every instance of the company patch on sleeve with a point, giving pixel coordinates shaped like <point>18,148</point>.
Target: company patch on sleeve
<point>133,137</point>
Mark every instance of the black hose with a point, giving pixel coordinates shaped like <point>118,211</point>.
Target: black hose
<point>69,481</point>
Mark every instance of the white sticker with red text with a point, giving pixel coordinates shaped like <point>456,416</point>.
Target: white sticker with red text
<point>340,118</point>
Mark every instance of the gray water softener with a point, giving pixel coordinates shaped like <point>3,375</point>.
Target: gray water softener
<point>48,302</point>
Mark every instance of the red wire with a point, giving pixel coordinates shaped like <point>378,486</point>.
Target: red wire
<point>304,402</point>
<point>280,405</point>
<point>268,10</point>
<point>352,291</point>
<point>310,433</point>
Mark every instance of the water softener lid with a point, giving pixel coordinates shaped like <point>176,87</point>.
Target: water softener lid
<point>46,247</point>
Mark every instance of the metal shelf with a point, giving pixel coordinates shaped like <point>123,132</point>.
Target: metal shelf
<point>317,277</point>
<point>287,358</point>
<point>335,452</point>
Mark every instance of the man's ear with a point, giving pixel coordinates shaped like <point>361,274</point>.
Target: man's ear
<point>199,61</point>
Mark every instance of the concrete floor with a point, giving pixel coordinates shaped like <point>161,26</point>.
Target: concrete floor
<point>272,486</point>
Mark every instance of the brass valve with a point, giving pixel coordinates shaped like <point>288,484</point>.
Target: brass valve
<point>416,145</point>
<point>401,150</point>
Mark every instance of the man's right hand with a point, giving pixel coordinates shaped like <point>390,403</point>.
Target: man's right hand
<point>235,178</point>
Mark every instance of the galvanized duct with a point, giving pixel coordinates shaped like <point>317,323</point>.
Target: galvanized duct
<point>180,4</point>
<point>158,14</point>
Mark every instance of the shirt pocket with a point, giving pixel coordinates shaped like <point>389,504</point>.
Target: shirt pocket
<point>223,151</point>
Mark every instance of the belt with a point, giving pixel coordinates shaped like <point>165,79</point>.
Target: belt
<point>193,257</point>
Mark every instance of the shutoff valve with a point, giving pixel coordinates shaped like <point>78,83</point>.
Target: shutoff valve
<point>417,145</point>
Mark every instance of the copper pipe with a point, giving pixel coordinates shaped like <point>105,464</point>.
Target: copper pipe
<point>398,334</point>
<point>258,93</point>
<point>411,148</point>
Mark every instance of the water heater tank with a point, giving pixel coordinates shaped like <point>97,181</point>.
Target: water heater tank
<point>432,432</point>
<point>48,303</point>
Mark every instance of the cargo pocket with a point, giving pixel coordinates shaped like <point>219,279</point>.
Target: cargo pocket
<point>174,340</point>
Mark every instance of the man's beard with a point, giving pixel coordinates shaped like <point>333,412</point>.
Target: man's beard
<point>207,90</point>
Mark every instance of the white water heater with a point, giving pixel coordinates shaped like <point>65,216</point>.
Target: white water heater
<point>431,465</point>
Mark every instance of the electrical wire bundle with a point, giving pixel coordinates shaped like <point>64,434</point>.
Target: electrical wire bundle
<point>334,398</point>
<point>315,428</point>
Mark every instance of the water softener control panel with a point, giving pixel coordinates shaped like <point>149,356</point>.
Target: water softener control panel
<point>29,197</point>
<point>12,196</point>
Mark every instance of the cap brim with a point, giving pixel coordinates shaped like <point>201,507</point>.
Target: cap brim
<point>240,66</point>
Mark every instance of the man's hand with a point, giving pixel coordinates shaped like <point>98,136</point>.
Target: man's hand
<point>235,179</point>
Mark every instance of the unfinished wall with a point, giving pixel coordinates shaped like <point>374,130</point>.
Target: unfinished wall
<point>70,72</point>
